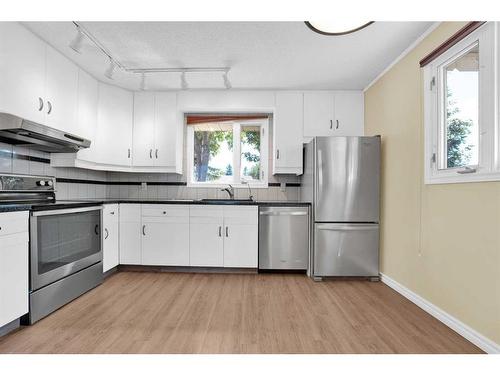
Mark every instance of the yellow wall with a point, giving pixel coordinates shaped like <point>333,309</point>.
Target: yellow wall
<point>440,241</point>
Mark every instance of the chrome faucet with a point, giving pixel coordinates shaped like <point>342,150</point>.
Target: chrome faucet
<point>230,191</point>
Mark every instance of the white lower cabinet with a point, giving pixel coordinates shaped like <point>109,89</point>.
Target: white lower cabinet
<point>184,235</point>
<point>130,234</point>
<point>14,272</point>
<point>224,236</point>
<point>241,233</point>
<point>111,249</point>
<point>206,238</point>
<point>165,235</point>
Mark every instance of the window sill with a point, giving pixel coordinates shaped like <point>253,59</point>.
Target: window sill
<point>462,179</point>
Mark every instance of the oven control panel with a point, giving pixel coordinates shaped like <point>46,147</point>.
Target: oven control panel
<point>24,183</point>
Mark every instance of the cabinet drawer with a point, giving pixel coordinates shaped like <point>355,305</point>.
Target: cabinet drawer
<point>111,212</point>
<point>210,211</point>
<point>165,210</point>
<point>241,215</point>
<point>130,212</point>
<point>13,222</point>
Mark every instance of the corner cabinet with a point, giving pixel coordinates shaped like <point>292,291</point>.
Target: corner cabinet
<point>333,113</point>
<point>287,133</point>
<point>14,265</point>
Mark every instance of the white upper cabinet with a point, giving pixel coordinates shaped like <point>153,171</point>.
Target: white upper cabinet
<point>156,131</point>
<point>22,73</point>
<point>318,113</point>
<point>349,113</point>
<point>144,129</point>
<point>229,100</point>
<point>113,143</point>
<point>61,91</point>
<point>287,134</point>
<point>168,132</point>
<point>333,113</point>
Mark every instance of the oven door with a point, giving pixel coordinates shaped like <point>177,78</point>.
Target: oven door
<point>63,242</point>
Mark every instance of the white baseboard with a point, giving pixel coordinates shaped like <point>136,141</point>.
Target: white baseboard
<point>461,328</point>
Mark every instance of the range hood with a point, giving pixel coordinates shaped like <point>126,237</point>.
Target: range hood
<point>20,132</point>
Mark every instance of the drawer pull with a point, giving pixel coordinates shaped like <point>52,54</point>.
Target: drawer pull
<point>164,212</point>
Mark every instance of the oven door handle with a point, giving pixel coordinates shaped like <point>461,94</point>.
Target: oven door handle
<point>66,211</point>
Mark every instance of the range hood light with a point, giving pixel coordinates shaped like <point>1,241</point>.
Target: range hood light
<point>336,27</point>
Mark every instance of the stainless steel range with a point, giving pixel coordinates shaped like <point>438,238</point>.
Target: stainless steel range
<point>65,243</point>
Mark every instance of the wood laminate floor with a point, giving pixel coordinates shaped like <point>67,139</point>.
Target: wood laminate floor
<point>139,312</point>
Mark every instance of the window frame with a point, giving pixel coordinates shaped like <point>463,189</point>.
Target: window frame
<point>434,106</point>
<point>237,183</point>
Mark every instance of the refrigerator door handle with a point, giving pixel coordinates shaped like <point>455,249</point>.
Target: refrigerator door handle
<point>320,172</point>
<point>346,227</point>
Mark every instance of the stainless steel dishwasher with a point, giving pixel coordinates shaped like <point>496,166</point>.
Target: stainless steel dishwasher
<point>283,238</point>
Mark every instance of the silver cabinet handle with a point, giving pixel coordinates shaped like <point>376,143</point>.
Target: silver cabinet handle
<point>112,213</point>
<point>220,231</point>
<point>156,153</point>
<point>50,107</point>
<point>143,230</point>
<point>331,124</point>
<point>337,124</point>
<point>151,153</point>
<point>227,231</point>
<point>277,154</point>
<point>106,233</point>
<point>40,104</point>
<point>128,153</point>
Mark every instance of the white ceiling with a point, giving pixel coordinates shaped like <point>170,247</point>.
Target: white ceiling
<point>262,55</point>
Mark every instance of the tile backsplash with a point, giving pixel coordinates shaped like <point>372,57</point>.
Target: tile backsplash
<point>100,185</point>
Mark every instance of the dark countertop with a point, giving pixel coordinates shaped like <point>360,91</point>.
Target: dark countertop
<point>11,207</point>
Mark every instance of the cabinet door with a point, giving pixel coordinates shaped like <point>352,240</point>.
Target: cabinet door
<point>61,91</point>
<point>206,244</point>
<point>111,237</point>
<point>318,113</point>
<point>130,234</point>
<point>349,113</point>
<point>165,241</point>
<point>241,238</point>
<point>144,126</point>
<point>86,124</point>
<point>13,277</point>
<point>22,72</point>
<point>288,127</point>
<point>166,127</point>
<point>114,121</point>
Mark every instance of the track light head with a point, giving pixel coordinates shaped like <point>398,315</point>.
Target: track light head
<point>227,83</point>
<point>142,86</point>
<point>184,84</point>
<point>110,70</point>
<point>77,42</point>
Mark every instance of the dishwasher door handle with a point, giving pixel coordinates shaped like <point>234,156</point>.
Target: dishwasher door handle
<point>288,213</point>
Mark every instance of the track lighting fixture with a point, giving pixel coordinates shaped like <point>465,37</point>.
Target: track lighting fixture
<point>142,86</point>
<point>77,42</point>
<point>111,70</point>
<point>227,83</point>
<point>184,84</point>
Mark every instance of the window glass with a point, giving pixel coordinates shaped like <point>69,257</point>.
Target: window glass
<point>213,153</point>
<point>250,153</point>
<point>461,108</point>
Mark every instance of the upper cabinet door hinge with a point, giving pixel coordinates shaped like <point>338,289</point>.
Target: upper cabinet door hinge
<point>432,84</point>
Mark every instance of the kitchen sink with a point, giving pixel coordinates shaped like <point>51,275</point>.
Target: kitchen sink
<point>227,201</point>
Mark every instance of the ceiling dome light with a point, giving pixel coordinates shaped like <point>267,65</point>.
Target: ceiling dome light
<point>77,43</point>
<point>337,27</point>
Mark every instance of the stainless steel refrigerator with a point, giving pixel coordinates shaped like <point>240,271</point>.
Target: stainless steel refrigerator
<point>342,181</point>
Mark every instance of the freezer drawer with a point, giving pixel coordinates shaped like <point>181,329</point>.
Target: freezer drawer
<point>346,249</point>
<point>283,238</point>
